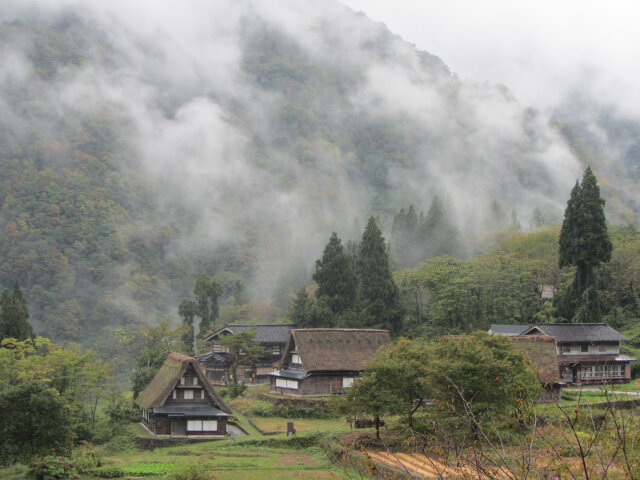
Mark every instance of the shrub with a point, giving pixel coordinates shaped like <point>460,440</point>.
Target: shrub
<point>262,409</point>
<point>53,468</point>
<point>85,459</point>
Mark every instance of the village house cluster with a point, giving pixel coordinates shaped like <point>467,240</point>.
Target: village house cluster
<point>181,400</point>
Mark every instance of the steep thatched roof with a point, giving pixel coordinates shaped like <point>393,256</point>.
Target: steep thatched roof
<point>342,349</point>
<point>161,386</point>
<point>542,352</point>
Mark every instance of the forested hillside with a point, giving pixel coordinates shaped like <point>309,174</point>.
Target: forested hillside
<point>132,161</point>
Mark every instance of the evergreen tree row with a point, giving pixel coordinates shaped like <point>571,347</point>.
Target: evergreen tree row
<point>355,287</point>
<point>416,237</point>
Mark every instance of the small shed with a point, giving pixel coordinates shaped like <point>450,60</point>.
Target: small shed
<point>180,401</point>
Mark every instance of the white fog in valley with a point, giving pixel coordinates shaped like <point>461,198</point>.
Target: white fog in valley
<point>274,123</point>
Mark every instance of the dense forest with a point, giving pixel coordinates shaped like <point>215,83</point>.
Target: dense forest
<point>122,182</point>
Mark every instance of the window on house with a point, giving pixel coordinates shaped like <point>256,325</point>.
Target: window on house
<point>188,394</point>
<point>602,347</point>
<point>175,394</point>
<point>584,347</point>
<point>284,383</point>
<point>195,380</point>
<point>347,382</point>
<point>181,380</point>
<point>194,425</point>
<point>566,348</point>
<point>201,394</point>
<point>276,350</point>
<point>217,348</point>
<point>209,425</point>
<point>295,358</point>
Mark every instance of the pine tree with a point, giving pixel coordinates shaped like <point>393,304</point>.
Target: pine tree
<point>379,297</point>
<point>299,312</point>
<point>207,293</point>
<point>337,283</point>
<point>438,234</point>
<point>537,218</point>
<point>14,315</point>
<point>584,243</point>
<point>187,311</point>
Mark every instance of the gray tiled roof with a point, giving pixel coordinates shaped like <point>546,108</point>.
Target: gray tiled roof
<point>497,329</point>
<point>578,332</point>
<point>264,333</point>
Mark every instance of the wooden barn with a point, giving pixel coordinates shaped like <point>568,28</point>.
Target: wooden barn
<point>180,401</point>
<point>541,350</point>
<point>325,361</point>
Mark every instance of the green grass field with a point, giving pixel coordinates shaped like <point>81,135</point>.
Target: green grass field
<point>302,425</point>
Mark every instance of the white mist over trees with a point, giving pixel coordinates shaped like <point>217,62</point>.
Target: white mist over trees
<point>229,138</point>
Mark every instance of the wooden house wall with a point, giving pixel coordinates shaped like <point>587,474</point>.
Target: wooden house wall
<point>315,385</point>
<point>161,425</point>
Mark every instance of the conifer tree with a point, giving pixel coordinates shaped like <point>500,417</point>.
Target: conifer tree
<point>379,297</point>
<point>337,282</point>
<point>187,311</point>
<point>207,292</point>
<point>584,243</point>
<point>14,315</point>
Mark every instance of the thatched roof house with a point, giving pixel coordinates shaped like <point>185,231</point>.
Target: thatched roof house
<point>323,361</point>
<point>541,351</point>
<point>179,400</point>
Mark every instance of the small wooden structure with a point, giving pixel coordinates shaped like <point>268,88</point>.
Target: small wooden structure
<point>325,361</point>
<point>180,401</point>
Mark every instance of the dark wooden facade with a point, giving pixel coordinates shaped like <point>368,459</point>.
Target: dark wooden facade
<point>218,363</point>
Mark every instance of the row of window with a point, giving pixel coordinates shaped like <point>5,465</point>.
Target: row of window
<point>217,348</point>
<point>602,371</point>
<point>583,347</point>
<point>183,381</point>
<point>202,425</point>
<point>188,394</point>
<point>284,383</point>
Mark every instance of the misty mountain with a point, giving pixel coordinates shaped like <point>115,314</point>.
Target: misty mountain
<point>142,145</point>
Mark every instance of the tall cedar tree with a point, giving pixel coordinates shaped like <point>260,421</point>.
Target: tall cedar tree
<point>379,297</point>
<point>14,315</point>
<point>207,292</point>
<point>337,282</point>
<point>584,243</point>
<point>187,311</point>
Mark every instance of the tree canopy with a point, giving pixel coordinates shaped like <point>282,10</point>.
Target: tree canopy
<point>584,243</point>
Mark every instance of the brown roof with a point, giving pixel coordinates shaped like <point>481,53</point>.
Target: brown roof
<point>163,383</point>
<point>542,353</point>
<point>344,349</point>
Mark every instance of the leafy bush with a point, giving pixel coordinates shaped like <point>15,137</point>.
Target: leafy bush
<point>53,468</point>
<point>261,408</point>
<point>86,458</point>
